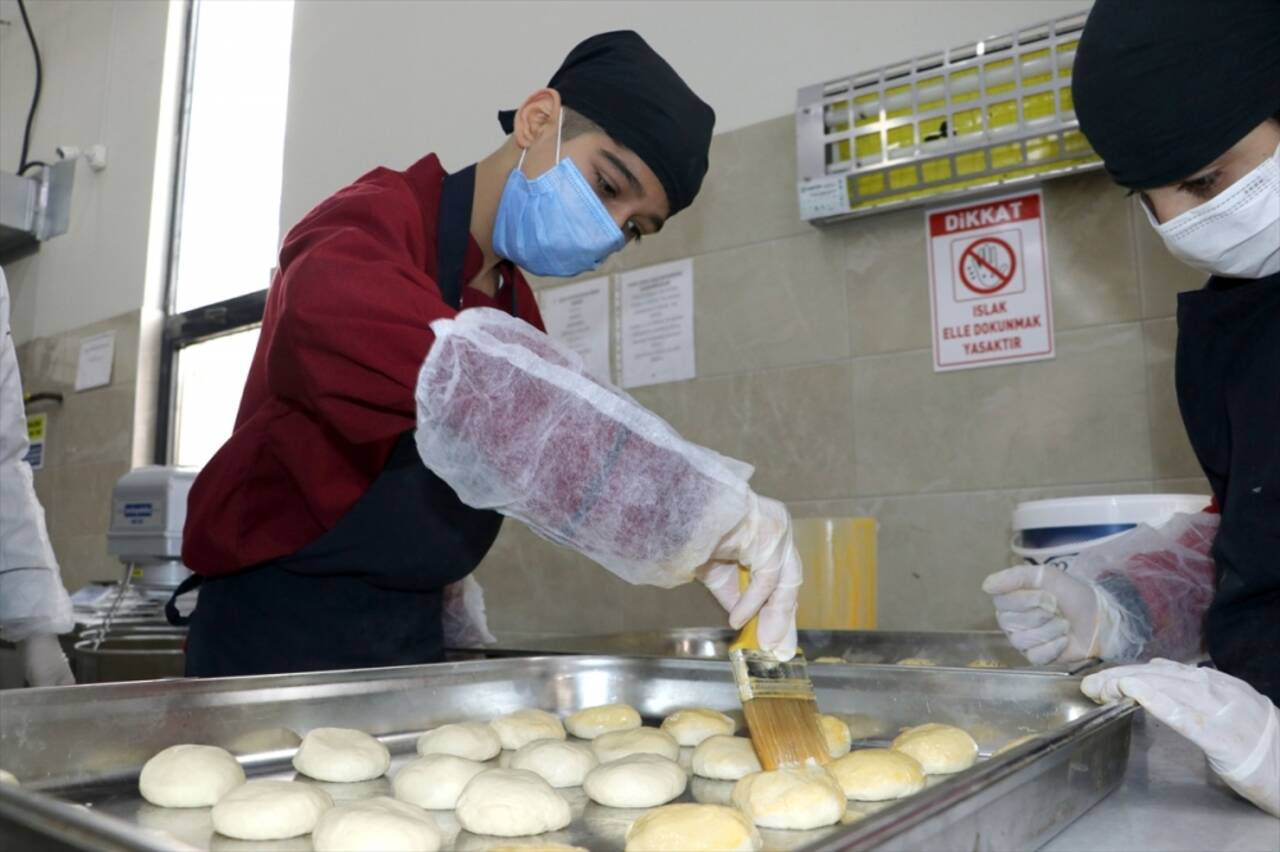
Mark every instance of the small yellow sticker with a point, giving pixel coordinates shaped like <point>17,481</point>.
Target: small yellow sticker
<point>36,424</point>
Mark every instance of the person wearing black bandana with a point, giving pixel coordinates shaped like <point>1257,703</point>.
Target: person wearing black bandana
<point>404,398</point>
<point>1181,99</point>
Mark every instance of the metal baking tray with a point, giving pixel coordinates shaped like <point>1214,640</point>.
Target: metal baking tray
<point>958,649</point>
<point>79,749</point>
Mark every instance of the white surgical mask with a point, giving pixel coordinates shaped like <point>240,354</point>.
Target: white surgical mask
<point>1235,234</point>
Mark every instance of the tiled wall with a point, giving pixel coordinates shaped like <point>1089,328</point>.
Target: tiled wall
<point>91,442</point>
<point>814,365</point>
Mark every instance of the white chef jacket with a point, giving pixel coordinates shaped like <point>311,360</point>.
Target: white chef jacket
<point>32,597</point>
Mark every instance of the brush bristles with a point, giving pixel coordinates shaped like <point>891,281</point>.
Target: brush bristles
<point>786,732</point>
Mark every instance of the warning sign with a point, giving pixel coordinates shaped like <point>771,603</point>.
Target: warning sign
<point>990,283</point>
<point>37,428</point>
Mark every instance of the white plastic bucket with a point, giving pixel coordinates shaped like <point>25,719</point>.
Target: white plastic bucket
<point>1054,531</point>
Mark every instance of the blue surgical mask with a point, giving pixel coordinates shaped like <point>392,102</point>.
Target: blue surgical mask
<point>555,224</point>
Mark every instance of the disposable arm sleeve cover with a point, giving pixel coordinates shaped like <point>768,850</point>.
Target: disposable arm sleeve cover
<point>513,422</point>
<point>1156,585</point>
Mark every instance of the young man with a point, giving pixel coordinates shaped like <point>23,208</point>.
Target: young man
<point>1182,101</point>
<point>321,538</point>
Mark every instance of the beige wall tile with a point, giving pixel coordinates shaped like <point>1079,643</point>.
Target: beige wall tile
<point>747,197</point>
<point>532,585</point>
<point>1161,276</point>
<point>1171,453</point>
<point>84,496</point>
<point>887,274</point>
<point>1183,485</point>
<point>794,425</point>
<point>773,304</point>
<point>84,559</point>
<point>1078,418</point>
<point>1091,255</point>
<point>94,426</point>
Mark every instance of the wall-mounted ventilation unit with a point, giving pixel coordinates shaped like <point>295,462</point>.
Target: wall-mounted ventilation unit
<point>954,123</point>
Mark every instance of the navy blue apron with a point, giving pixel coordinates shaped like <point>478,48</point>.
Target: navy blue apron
<point>1228,382</point>
<point>369,591</point>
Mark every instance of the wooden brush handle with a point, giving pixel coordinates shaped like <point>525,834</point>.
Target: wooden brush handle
<point>747,638</point>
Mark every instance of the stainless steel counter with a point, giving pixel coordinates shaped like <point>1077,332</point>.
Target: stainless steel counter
<point>1169,800</point>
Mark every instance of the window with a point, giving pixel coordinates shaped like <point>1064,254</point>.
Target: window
<point>225,226</point>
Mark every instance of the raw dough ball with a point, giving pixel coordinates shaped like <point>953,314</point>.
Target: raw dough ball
<point>511,803</point>
<point>189,776</point>
<point>376,825</point>
<point>557,762</point>
<point>984,663</point>
<point>877,774</point>
<point>269,810</point>
<point>525,726</point>
<point>800,799</point>
<point>709,792</point>
<point>829,660</point>
<point>837,734</point>
<point>8,778</point>
<point>619,744</point>
<point>940,749</point>
<point>725,758</point>
<point>594,721</point>
<point>916,661</point>
<point>436,781</point>
<point>341,754</point>
<point>693,828</point>
<point>264,739</point>
<point>348,791</point>
<point>691,727</point>
<point>1012,744</point>
<point>472,740</point>
<point>636,781</point>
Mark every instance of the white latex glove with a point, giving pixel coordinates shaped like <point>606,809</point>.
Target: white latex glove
<point>1237,727</point>
<point>1051,616</point>
<point>44,662</point>
<point>762,541</point>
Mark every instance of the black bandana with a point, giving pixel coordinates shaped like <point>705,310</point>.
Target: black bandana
<point>617,81</point>
<point>1163,87</point>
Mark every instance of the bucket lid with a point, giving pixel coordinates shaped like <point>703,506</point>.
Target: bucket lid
<point>1153,509</point>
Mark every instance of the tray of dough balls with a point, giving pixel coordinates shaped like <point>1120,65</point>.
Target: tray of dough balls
<point>952,649</point>
<point>560,752</point>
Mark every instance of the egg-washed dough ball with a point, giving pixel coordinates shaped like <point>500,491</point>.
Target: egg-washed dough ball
<point>270,810</point>
<point>693,828</point>
<point>471,740</point>
<point>985,663</point>
<point>341,754</point>
<point>8,778</point>
<point>1012,744</point>
<point>511,803</point>
<point>620,744</point>
<point>829,660</point>
<point>375,825</point>
<point>877,775</point>
<point>691,727</point>
<point>594,721</point>
<point>798,799</point>
<point>636,781</point>
<point>940,749</point>
<point>725,758</point>
<point>836,733</point>
<point>916,661</point>
<point>189,776</point>
<point>524,726</point>
<point>436,781</point>
<point>559,763</point>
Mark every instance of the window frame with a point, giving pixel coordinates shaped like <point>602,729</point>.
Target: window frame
<point>197,325</point>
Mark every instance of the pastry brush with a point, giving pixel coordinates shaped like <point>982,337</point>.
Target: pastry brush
<point>777,699</point>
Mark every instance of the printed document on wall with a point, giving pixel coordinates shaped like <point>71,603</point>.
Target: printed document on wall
<point>578,316</point>
<point>656,324</point>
